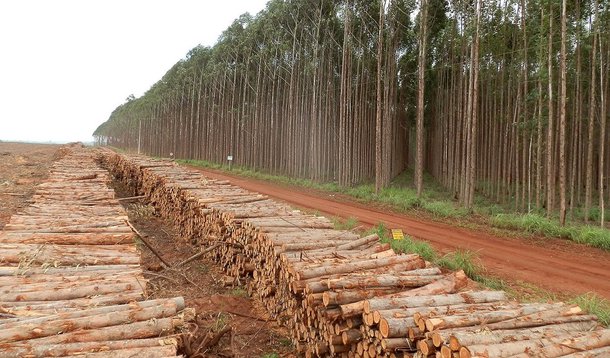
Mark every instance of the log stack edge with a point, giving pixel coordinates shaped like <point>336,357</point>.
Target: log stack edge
<point>70,277</point>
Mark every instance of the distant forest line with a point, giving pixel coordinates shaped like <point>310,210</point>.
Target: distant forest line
<point>508,98</point>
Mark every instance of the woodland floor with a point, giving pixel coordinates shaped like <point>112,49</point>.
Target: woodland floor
<point>527,264</point>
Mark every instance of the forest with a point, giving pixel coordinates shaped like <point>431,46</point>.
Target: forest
<point>505,98</point>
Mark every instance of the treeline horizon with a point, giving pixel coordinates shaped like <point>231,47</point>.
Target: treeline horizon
<point>507,98</point>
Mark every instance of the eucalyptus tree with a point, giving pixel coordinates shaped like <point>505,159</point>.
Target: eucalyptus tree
<point>506,99</point>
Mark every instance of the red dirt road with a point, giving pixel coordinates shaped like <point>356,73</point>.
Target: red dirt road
<point>558,265</point>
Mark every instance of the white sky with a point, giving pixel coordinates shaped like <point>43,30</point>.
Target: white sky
<point>65,65</point>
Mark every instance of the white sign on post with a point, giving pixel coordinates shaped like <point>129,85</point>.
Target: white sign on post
<point>229,157</point>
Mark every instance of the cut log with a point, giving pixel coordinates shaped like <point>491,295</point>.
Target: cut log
<point>475,318</point>
<point>382,303</point>
<point>395,327</point>
<point>458,339</point>
<point>141,352</point>
<point>546,347</point>
<point>47,326</point>
<point>406,281</point>
<point>413,260</point>
<point>66,349</point>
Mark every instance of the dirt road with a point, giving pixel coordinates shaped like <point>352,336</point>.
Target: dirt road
<point>558,265</point>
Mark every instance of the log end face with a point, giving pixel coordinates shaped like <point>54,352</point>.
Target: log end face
<point>465,353</point>
<point>384,328</point>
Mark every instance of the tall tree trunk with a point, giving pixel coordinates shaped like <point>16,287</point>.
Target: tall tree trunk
<point>379,112</point>
<point>550,173</point>
<point>472,114</point>
<point>421,66</point>
<point>562,120</point>
<point>590,128</point>
<point>602,133</point>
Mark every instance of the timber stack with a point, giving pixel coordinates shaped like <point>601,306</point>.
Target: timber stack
<point>70,276</point>
<point>345,295</point>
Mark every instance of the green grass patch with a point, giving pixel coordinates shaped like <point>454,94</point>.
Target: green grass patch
<point>595,305</point>
<point>532,223</point>
<point>444,209</point>
<point>493,283</point>
<point>285,342</point>
<point>238,292</point>
<point>593,236</point>
<point>538,224</point>
<point>467,261</point>
<point>270,355</point>
<point>381,230</point>
<point>220,322</point>
<point>454,261</point>
<point>462,260</point>
<point>344,224</point>
<point>470,263</point>
<point>408,245</point>
<point>594,214</point>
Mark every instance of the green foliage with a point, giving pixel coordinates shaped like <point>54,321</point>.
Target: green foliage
<point>238,292</point>
<point>272,105</point>
<point>347,224</point>
<point>139,243</point>
<point>533,223</point>
<point>492,283</point>
<point>595,305</point>
<point>454,261</point>
<point>220,322</point>
<point>537,224</point>
<point>270,355</point>
<point>462,260</point>
<point>408,245</point>
<point>444,209</point>
<point>285,342</point>
<point>593,236</point>
<point>381,230</point>
<point>594,214</point>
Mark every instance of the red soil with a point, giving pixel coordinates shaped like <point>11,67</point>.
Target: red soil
<point>558,265</point>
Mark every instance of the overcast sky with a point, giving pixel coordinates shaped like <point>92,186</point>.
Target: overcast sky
<point>66,64</point>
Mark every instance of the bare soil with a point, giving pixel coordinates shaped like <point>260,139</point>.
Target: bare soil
<point>561,266</point>
<point>22,167</point>
<point>244,328</point>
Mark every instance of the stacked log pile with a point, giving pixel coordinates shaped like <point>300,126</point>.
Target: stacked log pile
<point>345,295</point>
<point>70,279</point>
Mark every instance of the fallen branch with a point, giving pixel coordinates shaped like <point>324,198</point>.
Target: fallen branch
<point>197,255</point>
<point>212,342</point>
<point>160,276</point>
<point>152,249</point>
<point>131,198</point>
